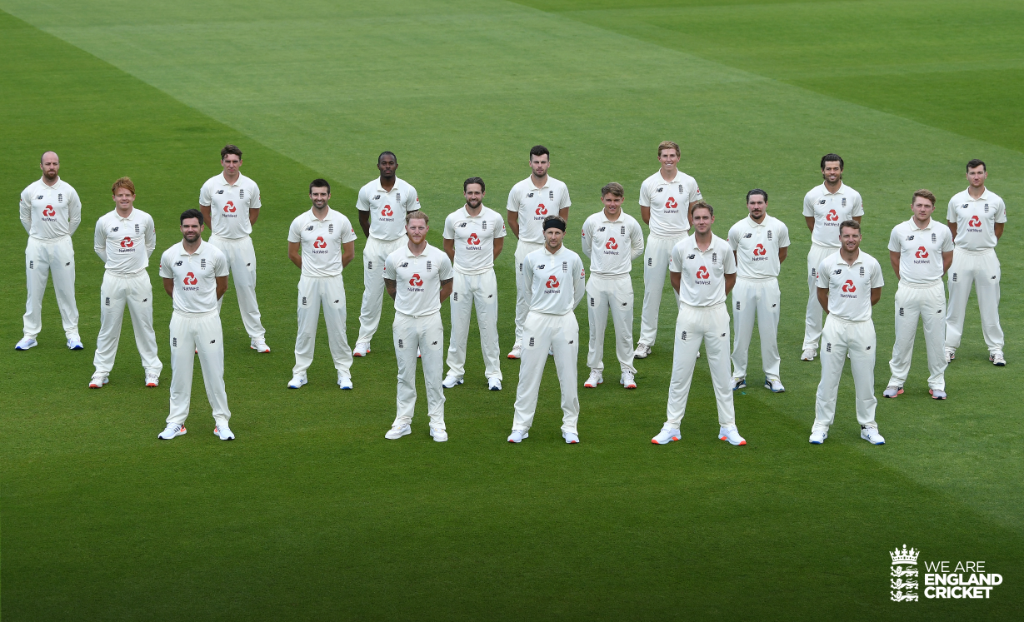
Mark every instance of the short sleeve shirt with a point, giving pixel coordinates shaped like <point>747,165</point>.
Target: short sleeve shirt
<point>829,210</point>
<point>533,204</point>
<point>128,242</point>
<point>612,243</point>
<point>387,210</point>
<point>52,208</point>
<point>555,278</point>
<point>474,238</point>
<point>195,276</point>
<point>230,205</point>
<point>321,241</point>
<point>702,273</point>
<point>418,279</point>
<point>976,219</point>
<point>920,250</point>
<point>849,287</point>
<point>669,202</point>
<point>757,246</point>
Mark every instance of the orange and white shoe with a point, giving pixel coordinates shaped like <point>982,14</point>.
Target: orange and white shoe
<point>98,380</point>
<point>594,379</point>
<point>628,381</point>
<point>732,435</point>
<point>666,436</point>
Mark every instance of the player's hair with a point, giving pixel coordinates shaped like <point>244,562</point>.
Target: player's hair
<point>473,180</point>
<point>46,152</point>
<point>125,183</point>
<point>757,191</point>
<point>975,163</point>
<point>539,150</point>
<point>924,194</point>
<point>384,153</point>
<point>703,205</point>
<point>554,221</point>
<point>230,150</point>
<point>668,144</point>
<point>191,213</point>
<point>849,224</point>
<point>319,183</point>
<point>831,157</point>
<point>614,188</point>
<point>417,215</point>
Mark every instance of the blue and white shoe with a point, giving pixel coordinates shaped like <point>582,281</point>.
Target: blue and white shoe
<point>739,383</point>
<point>871,435</point>
<point>75,344</point>
<point>774,385</point>
<point>26,343</point>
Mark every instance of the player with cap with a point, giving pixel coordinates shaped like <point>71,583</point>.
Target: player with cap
<point>230,203</point>
<point>703,272</point>
<point>418,277</point>
<point>557,283</point>
<point>612,239</point>
<point>760,243</point>
<point>473,238</point>
<point>321,242</point>
<point>195,275</point>
<point>849,284</point>
<point>125,238</point>
<point>50,212</point>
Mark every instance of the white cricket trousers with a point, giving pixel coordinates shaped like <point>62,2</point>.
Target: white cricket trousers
<point>137,291</point>
<point>191,332</point>
<point>693,325</point>
<point>838,338</point>
<point>927,301</point>
<point>760,298</point>
<point>242,264</point>
<point>329,292</point>
<point>562,334</point>
<point>982,269</point>
<point>481,290</point>
<point>41,258</point>
<point>656,259</point>
<point>374,254</point>
<point>610,295</point>
<point>427,334</point>
<point>522,289</point>
<point>813,322</point>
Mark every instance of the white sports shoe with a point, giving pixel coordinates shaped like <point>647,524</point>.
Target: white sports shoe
<point>418,354</point>
<point>26,343</point>
<point>665,437</point>
<point>732,435</point>
<point>260,345</point>
<point>594,379</point>
<point>75,344</point>
<point>172,430</point>
<point>571,438</point>
<point>628,381</point>
<point>739,383</point>
<point>950,355</point>
<point>937,394</point>
<point>517,436</point>
<point>152,380</point>
<point>223,432</point>
<point>774,385</point>
<point>439,436</point>
<point>642,351</point>
<point>344,382</point>
<point>450,381</point>
<point>398,432</point>
<point>997,359</point>
<point>297,381</point>
<point>362,348</point>
<point>818,436</point>
<point>98,380</point>
<point>516,352</point>
<point>809,354</point>
<point>494,384</point>
<point>872,436</point>
<point>892,391</point>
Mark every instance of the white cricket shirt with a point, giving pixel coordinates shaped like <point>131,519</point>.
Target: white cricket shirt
<point>49,212</point>
<point>829,210</point>
<point>669,202</point>
<point>474,238</point>
<point>921,250</point>
<point>702,283</point>
<point>556,281</point>
<point>418,279</point>
<point>975,219</point>
<point>230,205</point>
<point>533,204</point>
<point>195,276</point>
<point>849,287</point>
<point>612,245</point>
<point>125,244</point>
<point>387,209</point>
<point>757,246</point>
<point>321,240</point>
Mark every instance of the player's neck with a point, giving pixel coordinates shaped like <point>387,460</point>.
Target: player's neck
<point>231,178</point>
<point>320,214</point>
<point>833,188</point>
<point>759,220</point>
<point>191,247</point>
<point>49,183</point>
<point>554,250</point>
<point>849,256</point>
<point>613,218</point>
<point>539,182</point>
<point>668,173</point>
<point>387,183</point>
<point>417,249</point>
<point>124,213</point>
<point>703,240</point>
<point>921,224</point>
<point>976,192</point>
<point>474,211</point>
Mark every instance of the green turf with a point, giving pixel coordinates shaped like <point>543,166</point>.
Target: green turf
<point>310,513</point>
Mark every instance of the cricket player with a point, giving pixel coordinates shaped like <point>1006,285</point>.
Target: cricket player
<point>976,218</point>
<point>666,202</point>
<point>825,207</point>
<point>418,277</point>
<point>125,238</point>
<point>556,282</point>
<point>849,284</point>
<point>760,243</point>
<point>321,242</point>
<point>703,272</point>
<point>195,275</point>
<point>230,202</point>
<point>383,205</point>
<point>920,250</point>
<point>50,212</point>
<point>530,202</point>
<point>473,238</point>
<point>612,240</point>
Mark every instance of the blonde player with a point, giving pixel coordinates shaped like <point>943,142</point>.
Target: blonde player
<point>530,202</point>
<point>849,284</point>
<point>230,202</point>
<point>473,238</point>
<point>125,238</point>
<point>321,242</point>
<point>612,240</point>
<point>418,277</point>
<point>195,276</point>
<point>920,251</point>
<point>760,243</point>
<point>976,218</point>
<point>383,205</point>
<point>826,206</point>
<point>666,203</point>
<point>556,282</point>
<point>703,272</point>
<point>50,212</point>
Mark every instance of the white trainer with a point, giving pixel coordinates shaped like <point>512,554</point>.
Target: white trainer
<point>950,355</point>
<point>75,344</point>
<point>438,434</point>
<point>594,379</point>
<point>871,435</point>
<point>26,343</point>
<point>172,430</point>
<point>892,391</point>
<point>152,380</point>
<point>450,381</point>
<point>297,381</point>
<point>571,438</point>
<point>666,436</point>
<point>997,359</point>
<point>516,352</point>
<point>362,348</point>
<point>398,432</point>
<point>642,351</point>
<point>98,380</point>
<point>809,354</point>
<point>223,432</point>
<point>628,380</point>
<point>818,436</point>
<point>732,435</point>
<point>774,385</point>
<point>259,344</point>
<point>494,384</point>
<point>739,383</point>
<point>937,394</point>
<point>517,436</point>
<point>344,382</point>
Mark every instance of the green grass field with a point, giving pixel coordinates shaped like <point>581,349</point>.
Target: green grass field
<point>311,514</point>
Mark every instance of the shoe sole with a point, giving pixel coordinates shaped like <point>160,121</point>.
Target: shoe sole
<point>670,440</point>
<point>769,387</point>
<point>151,385</point>
<point>629,386</point>
<point>872,442</point>
<point>512,356</point>
<point>445,386</point>
<point>587,385</point>
<point>726,439</point>
<point>26,348</point>
<point>525,436</point>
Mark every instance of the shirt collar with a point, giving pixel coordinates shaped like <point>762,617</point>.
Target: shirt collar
<point>842,187</point>
<point>130,216</point>
<point>913,225</point>
<point>380,186</point>
<point>330,214</point>
<point>984,195</point>
<point>554,254</point>
<point>465,212</point>
<point>408,251</point>
<point>199,250</point>
<point>752,223</point>
<point>859,259</point>
<point>224,181</point>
